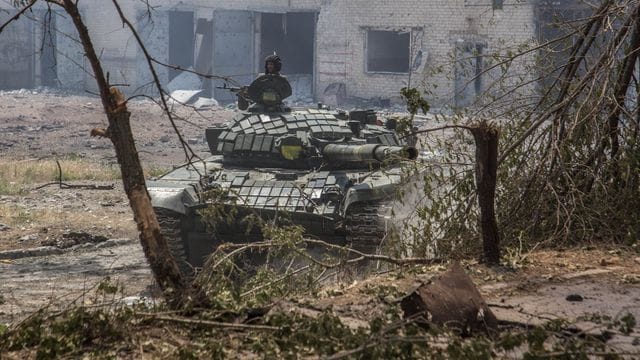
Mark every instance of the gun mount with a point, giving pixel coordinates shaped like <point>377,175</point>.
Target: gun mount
<point>266,93</point>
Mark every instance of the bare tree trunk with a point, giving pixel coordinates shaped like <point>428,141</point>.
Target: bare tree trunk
<point>624,79</point>
<point>162,263</point>
<point>486,138</point>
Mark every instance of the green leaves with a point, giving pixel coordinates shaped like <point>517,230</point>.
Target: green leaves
<point>414,100</point>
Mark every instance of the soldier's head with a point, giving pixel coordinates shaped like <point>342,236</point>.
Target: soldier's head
<point>272,64</point>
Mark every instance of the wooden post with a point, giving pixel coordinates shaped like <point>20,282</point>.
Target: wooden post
<point>486,138</point>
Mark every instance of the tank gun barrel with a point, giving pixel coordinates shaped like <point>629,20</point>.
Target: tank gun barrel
<point>367,152</point>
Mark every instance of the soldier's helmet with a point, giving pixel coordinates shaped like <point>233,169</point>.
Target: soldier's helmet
<point>277,64</point>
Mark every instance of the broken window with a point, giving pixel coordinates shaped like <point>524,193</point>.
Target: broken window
<point>388,51</point>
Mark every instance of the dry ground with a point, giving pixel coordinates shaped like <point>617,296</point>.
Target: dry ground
<point>46,125</point>
<point>37,129</point>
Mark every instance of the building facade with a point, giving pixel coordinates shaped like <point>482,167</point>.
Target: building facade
<point>332,49</point>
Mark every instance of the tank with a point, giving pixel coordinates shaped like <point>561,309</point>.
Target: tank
<point>333,173</point>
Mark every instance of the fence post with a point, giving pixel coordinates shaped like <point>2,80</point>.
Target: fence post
<point>486,138</point>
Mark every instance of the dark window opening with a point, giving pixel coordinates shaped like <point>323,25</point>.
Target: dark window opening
<point>181,41</point>
<point>469,73</point>
<point>291,36</point>
<point>498,4</point>
<point>388,51</point>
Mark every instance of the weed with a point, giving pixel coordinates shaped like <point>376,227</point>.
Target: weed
<point>626,323</point>
<point>23,217</point>
<point>16,173</point>
<point>155,171</point>
<point>11,188</point>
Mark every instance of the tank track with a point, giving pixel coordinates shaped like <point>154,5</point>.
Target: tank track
<point>366,225</point>
<point>171,229</point>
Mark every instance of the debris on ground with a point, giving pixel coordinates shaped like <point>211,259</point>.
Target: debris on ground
<point>452,300</point>
<point>74,238</point>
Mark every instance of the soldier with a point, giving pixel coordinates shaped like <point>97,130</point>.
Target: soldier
<point>272,65</point>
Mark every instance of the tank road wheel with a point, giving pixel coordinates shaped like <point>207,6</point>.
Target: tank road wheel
<point>171,229</point>
<point>366,225</point>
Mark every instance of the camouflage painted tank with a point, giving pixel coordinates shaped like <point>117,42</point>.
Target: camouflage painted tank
<point>319,169</point>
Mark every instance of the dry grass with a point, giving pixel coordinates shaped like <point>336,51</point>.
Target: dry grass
<point>16,174</point>
<point>16,215</point>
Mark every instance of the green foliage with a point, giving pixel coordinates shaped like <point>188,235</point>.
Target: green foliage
<point>107,330</point>
<point>626,323</point>
<point>414,100</point>
<point>155,171</point>
<point>73,330</point>
<point>107,287</point>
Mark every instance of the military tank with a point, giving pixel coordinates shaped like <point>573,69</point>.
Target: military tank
<point>333,173</point>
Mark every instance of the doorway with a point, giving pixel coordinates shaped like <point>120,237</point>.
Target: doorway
<point>469,70</point>
<point>291,36</point>
<point>181,41</point>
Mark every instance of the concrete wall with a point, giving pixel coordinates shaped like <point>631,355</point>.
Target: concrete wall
<point>436,27</point>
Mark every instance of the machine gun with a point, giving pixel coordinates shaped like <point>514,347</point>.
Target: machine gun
<point>241,92</point>
<point>235,90</point>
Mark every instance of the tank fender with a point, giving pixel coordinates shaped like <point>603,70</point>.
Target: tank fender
<point>364,192</point>
<point>176,199</point>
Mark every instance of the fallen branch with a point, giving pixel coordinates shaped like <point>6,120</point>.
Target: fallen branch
<point>64,185</point>
<point>238,248</point>
<point>209,323</point>
<point>445,127</point>
<point>376,257</point>
<point>77,186</point>
<point>281,278</point>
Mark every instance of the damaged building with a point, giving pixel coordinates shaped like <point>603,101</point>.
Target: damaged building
<point>334,51</point>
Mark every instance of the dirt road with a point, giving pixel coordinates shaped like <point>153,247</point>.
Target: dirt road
<point>56,280</point>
